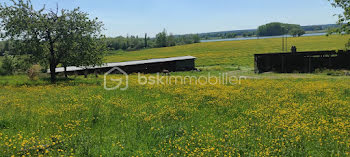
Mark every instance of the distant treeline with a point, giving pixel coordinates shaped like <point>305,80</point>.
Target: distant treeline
<point>253,32</point>
<point>228,34</point>
<point>129,43</point>
<point>319,27</point>
<point>162,39</point>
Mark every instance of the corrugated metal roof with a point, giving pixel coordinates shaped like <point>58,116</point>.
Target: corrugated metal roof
<point>121,64</point>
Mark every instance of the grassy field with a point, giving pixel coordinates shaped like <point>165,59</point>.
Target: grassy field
<point>236,53</point>
<point>265,115</point>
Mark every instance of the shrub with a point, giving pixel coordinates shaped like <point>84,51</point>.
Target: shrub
<point>332,72</point>
<point>2,71</point>
<point>12,64</point>
<point>33,72</point>
<point>8,65</point>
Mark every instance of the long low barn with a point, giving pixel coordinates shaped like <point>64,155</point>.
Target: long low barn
<point>184,63</point>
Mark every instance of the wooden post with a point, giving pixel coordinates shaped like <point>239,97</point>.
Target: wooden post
<point>65,72</point>
<point>146,45</point>
<point>96,73</point>
<point>85,73</point>
<point>286,47</point>
<point>329,61</point>
<point>283,43</point>
<point>310,64</point>
<point>283,64</point>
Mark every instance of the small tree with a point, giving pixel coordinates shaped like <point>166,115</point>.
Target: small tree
<point>301,32</point>
<point>9,65</point>
<point>4,47</point>
<point>296,32</point>
<point>33,72</point>
<point>161,39</point>
<point>47,35</point>
<point>196,38</point>
<point>146,45</point>
<point>171,40</point>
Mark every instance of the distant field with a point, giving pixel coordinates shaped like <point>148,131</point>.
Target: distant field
<point>237,53</point>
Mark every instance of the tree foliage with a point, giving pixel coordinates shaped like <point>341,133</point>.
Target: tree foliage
<point>5,47</point>
<point>9,65</point>
<point>276,28</point>
<point>52,37</point>
<point>161,39</point>
<point>196,38</point>
<point>344,18</point>
<point>171,40</point>
<point>296,32</point>
<point>12,64</point>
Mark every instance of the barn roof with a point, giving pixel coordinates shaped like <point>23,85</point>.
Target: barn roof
<point>128,63</point>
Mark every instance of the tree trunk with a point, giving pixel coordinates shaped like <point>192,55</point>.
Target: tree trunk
<point>96,73</point>
<point>53,62</point>
<point>65,72</point>
<point>85,73</point>
<point>53,72</point>
<point>146,40</point>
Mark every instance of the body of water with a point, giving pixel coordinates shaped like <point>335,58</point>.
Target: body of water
<point>267,37</point>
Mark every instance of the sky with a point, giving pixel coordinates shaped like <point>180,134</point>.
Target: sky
<point>136,17</point>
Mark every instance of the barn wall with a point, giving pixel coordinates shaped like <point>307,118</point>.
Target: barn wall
<point>180,65</point>
<point>302,61</point>
<point>185,65</point>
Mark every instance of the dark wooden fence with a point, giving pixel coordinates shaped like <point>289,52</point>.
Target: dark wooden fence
<point>304,62</point>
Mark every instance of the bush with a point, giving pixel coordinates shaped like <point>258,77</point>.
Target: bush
<point>12,64</point>
<point>8,65</point>
<point>332,72</point>
<point>297,32</point>
<point>2,71</point>
<point>33,72</point>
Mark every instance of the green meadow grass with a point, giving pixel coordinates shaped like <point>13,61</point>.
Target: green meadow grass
<point>286,116</point>
<point>236,53</point>
<point>266,115</point>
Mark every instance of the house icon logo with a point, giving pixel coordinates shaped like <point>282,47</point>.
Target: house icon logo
<point>120,82</point>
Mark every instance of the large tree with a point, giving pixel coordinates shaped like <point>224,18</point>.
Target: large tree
<point>344,18</point>
<point>66,37</point>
